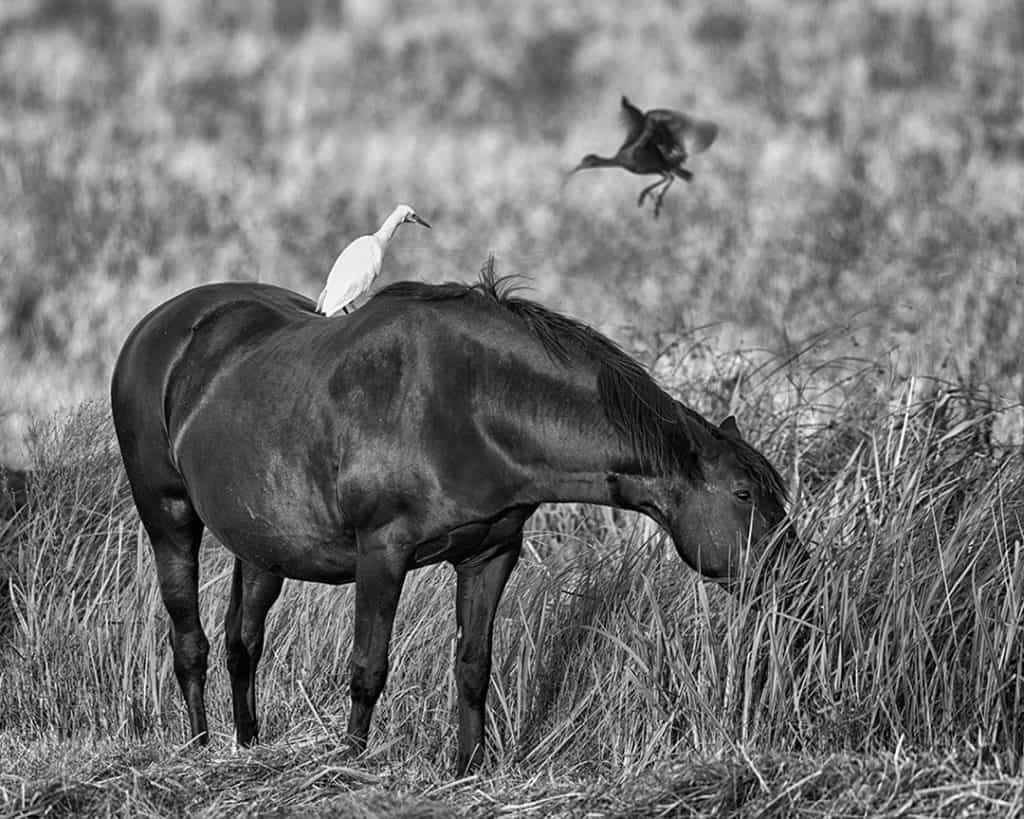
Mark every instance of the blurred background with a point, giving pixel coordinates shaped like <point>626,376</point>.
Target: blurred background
<point>864,196</point>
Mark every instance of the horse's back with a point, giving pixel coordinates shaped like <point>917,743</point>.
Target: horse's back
<point>232,311</point>
<point>161,349</point>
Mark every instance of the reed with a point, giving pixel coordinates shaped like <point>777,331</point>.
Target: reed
<point>899,639</point>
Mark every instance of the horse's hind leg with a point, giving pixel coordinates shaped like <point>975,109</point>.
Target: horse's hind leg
<point>479,589</point>
<point>380,574</point>
<point>253,592</point>
<point>176,531</point>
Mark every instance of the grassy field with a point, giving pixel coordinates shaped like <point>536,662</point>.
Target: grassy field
<point>843,274</point>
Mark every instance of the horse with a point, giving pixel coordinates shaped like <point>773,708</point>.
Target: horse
<point>426,426</point>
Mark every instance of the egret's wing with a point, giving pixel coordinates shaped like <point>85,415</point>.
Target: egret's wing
<point>352,274</point>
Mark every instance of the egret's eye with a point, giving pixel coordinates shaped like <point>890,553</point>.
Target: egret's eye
<point>743,495</point>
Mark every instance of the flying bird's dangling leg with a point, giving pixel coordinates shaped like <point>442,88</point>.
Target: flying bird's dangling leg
<point>643,194</point>
<point>661,195</point>
<point>664,183</point>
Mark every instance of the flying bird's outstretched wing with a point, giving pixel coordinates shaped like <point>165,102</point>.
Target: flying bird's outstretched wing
<point>634,121</point>
<point>677,135</point>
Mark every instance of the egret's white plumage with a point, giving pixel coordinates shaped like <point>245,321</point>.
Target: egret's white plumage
<point>359,264</point>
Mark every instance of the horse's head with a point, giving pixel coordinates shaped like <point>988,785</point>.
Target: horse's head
<point>723,514</point>
<point>729,514</point>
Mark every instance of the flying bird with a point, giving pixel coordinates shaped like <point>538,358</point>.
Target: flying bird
<point>658,141</point>
<point>359,264</point>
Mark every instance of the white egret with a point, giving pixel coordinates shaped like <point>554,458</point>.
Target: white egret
<point>359,264</point>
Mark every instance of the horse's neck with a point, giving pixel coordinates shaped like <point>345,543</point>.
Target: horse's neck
<point>612,483</point>
<point>546,418</point>
<point>582,460</point>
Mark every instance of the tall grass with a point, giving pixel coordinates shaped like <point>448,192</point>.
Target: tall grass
<point>903,629</point>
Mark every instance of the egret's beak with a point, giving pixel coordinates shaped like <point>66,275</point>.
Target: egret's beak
<point>413,217</point>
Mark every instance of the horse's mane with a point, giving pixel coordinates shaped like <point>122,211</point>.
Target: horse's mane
<point>664,434</point>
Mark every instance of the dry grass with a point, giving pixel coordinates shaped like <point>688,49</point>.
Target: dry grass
<point>883,676</point>
<point>313,781</point>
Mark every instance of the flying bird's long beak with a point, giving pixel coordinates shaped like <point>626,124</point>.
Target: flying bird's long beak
<point>420,221</point>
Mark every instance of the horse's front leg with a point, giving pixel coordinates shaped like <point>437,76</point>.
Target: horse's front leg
<point>380,573</point>
<point>479,589</point>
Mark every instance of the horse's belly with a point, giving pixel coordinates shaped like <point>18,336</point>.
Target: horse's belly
<point>273,512</point>
<point>278,531</point>
<point>298,557</point>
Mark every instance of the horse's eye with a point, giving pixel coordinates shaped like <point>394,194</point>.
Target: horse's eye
<point>743,495</point>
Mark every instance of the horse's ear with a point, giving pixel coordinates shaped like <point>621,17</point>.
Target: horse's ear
<point>728,426</point>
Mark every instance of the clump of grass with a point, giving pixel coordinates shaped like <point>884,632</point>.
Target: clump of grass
<point>610,657</point>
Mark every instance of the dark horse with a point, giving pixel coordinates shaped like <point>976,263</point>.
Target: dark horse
<point>426,426</point>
